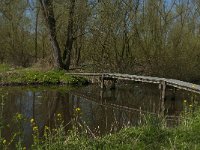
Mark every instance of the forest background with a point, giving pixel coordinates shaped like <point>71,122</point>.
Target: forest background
<point>147,37</point>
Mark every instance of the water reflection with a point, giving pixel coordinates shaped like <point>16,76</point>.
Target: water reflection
<point>103,111</point>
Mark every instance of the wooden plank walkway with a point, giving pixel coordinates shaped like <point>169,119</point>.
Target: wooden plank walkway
<point>145,79</point>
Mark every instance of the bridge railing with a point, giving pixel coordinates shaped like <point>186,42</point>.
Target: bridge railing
<point>145,79</point>
<point>162,82</point>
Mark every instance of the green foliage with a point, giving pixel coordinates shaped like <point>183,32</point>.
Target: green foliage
<point>152,135</point>
<point>4,67</point>
<point>148,37</point>
<point>29,76</point>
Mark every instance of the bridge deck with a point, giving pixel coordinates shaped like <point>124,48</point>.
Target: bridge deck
<point>146,79</point>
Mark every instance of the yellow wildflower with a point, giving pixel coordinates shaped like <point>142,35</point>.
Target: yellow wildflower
<point>35,128</point>
<point>32,120</point>
<point>59,115</point>
<point>78,109</point>
<point>46,128</point>
<point>19,116</point>
<point>4,141</point>
<point>185,101</point>
<point>24,148</point>
<point>190,105</point>
<point>193,86</point>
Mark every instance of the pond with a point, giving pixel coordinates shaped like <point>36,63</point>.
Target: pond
<point>103,111</point>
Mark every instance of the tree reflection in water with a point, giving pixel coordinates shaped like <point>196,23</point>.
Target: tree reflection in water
<point>103,111</point>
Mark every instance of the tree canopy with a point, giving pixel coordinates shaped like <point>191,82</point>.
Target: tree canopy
<point>151,37</point>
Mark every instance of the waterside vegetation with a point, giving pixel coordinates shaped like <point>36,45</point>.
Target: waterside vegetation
<point>152,134</point>
<point>33,76</point>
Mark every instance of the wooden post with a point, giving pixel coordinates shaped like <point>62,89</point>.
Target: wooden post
<point>102,81</point>
<point>113,95</point>
<point>101,96</point>
<point>163,90</point>
<point>162,87</point>
<point>92,79</point>
<point>140,120</point>
<point>112,87</point>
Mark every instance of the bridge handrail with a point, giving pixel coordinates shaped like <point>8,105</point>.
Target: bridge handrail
<point>146,79</point>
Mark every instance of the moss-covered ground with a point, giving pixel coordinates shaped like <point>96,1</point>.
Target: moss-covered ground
<point>32,76</point>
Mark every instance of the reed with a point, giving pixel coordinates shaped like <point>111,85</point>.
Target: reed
<point>152,134</point>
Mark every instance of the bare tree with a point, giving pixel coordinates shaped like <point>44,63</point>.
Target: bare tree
<point>47,9</point>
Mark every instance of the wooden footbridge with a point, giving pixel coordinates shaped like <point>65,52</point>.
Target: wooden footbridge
<point>162,82</point>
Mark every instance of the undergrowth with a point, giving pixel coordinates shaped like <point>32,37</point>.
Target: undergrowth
<point>30,76</point>
<point>153,134</point>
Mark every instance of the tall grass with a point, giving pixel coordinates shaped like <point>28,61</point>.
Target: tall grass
<point>153,134</point>
<point>4,67</point>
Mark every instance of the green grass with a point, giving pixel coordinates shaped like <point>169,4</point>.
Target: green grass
<point>5,67</point>
<point>31,76</point>
<point>154,134</point>
<point>150,136</point>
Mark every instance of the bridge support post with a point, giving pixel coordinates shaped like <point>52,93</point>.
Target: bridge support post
<point>102,96</point>
<point>112,87</point>
<point>102,82</point>
<point>162,87</point>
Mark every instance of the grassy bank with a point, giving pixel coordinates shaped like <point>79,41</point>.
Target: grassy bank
<point>32,76</point>
<point>153,134</point>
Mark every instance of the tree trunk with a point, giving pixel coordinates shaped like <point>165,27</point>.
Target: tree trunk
<point>47,9</point>
<point>70,38</point>
<point>36,34</point>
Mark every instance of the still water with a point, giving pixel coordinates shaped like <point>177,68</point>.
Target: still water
<point>103,111</point>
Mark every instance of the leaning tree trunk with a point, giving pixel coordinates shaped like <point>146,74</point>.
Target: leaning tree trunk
<point>70,38</point>
<point>47,9</point>
<point>36,34</point>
